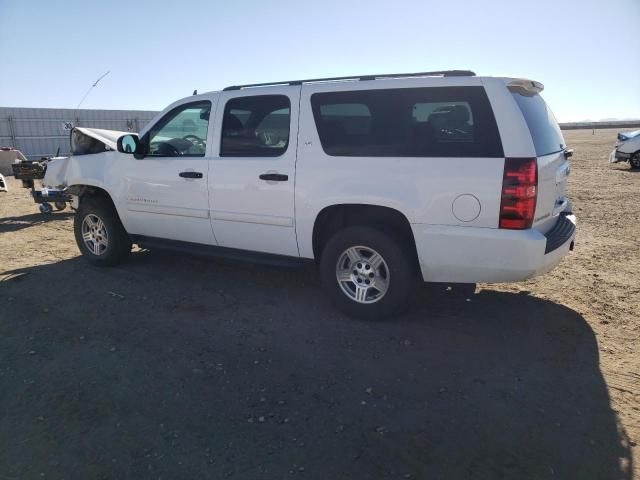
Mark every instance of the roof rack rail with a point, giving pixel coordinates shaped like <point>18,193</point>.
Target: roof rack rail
<point>444,73</point>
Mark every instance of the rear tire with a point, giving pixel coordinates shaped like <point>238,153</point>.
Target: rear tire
<point>100,236</point>
<point>377,274</point>
<point>634,161</point>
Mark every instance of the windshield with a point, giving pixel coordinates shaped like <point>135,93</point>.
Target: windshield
<point>543,126</point>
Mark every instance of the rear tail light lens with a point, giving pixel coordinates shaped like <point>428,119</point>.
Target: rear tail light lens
<point>519,193</point>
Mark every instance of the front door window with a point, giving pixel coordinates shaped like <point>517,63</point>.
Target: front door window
<point>181,133</point>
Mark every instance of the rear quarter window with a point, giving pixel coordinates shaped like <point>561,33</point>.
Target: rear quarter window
<point>407,122</point>
<point>543,126</point>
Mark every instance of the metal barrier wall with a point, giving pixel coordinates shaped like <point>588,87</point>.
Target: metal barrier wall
<point>40,132</point>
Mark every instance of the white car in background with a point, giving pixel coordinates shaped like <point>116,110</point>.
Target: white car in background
<point>627,149</point>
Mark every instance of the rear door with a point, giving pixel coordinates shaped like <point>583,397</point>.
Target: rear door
<point>553,167</point>
<point>252,177</point>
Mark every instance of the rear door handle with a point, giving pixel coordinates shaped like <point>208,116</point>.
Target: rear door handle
<point>274,177</point>
<point>190,174</point>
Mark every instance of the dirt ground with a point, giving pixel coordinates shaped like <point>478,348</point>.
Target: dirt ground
<point>173,367</point>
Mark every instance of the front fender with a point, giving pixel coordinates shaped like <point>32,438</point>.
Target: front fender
<point>78,170</point>
<point>55,175</point>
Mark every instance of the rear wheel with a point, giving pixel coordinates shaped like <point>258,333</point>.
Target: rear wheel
<point>60,206</point>
<point>99,234</point>
<point>367,272</point>
<point>634,161</point>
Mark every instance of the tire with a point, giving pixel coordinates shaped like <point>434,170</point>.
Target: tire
<point>109,241</point>
<point>397,271</point>
<point>45,208</point>
<point>60,206</point>
<point>634,161</point>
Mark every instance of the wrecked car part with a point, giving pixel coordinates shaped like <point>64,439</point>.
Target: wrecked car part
<point>87,141</point>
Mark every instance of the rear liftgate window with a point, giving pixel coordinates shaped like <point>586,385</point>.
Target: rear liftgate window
<point>407,122</point>
<point>543,126</point>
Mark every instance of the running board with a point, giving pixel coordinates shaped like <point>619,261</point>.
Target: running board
<point>214,251</point>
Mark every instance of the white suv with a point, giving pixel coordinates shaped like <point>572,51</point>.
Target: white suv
<point>380,179</point>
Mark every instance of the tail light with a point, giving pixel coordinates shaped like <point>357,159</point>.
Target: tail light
<point>519,193</point>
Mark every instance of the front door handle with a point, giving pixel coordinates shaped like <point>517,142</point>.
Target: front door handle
<point>190,174</point>
<point>274,177</point>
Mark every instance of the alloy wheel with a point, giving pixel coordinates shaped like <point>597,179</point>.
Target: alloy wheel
<point>363,274</point>
<point>94,234</point>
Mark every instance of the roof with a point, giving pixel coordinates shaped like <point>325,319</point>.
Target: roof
<point>438,73</point>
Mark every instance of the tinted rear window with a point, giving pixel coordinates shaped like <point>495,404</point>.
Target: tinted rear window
<point>407,122</point>
<point>543,126</point>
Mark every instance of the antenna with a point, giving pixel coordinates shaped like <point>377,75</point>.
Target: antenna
<point>95,84</point>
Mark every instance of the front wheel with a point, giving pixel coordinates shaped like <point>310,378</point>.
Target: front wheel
<point>634,161</point>
<point>368,273</point>
<point>100,236</point>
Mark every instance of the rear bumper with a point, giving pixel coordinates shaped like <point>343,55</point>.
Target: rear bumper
<point>469,255</point>
<point>563,231</point>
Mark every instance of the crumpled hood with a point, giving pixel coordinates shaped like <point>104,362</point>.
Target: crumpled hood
<point>86,141</point>
<point>90,147</point>
<point>108,137</point>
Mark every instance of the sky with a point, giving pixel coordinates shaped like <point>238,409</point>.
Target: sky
<point>585,52</point>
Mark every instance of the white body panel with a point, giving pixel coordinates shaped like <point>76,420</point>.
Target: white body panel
<point>159,203</point>
<point>458,254</point>
<point>452,204</point>
<point>423,189</point>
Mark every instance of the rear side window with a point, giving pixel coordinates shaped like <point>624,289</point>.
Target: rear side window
<point>407,122</point>
<point>543,126</point>
<point>256,126</point>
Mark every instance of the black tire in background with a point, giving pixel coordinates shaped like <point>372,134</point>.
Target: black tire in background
<point>118,244</point>
<point>396,254</point>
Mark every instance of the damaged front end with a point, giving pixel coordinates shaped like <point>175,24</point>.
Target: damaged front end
<point>84,141</point>
<point>90,148</point>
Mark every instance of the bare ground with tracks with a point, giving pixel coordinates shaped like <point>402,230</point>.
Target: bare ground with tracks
<point>178,367</point>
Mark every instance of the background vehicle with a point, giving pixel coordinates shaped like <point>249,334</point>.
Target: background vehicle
<point>378,178</point>
<point>627,149</point>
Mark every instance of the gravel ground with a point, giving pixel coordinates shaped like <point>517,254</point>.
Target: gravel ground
<point>172,367</point>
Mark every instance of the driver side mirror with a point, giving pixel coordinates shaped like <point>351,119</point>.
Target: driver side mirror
<point>128,144</point>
